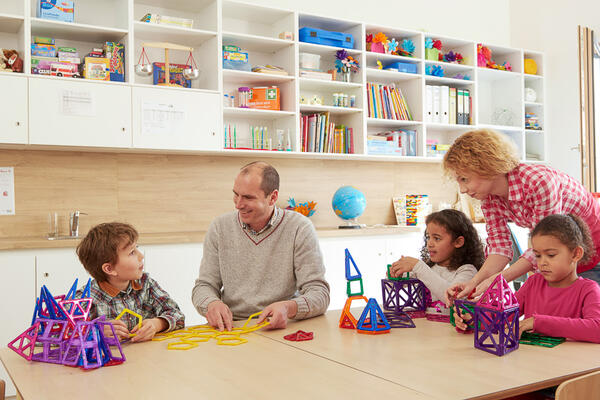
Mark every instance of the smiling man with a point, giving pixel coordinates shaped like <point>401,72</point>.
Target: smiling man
<point>260,258</point>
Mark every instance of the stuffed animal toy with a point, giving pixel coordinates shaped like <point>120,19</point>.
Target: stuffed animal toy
<point>3,61</point>
<point>15,63</point>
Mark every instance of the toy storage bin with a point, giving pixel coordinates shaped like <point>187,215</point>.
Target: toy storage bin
<point>310,61</point>
<point>328,38</point>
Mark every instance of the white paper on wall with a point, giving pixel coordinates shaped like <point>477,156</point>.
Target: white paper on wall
<point>79,103</point>
<point>162,118</point>
<point>7,191</point>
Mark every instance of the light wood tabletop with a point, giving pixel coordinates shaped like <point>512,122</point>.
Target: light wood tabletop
<point>260,369</point>
<point>436,360</point>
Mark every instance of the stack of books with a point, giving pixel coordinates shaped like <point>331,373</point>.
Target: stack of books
<point>321,135</point>
<point>387,102</point>
<point>314,74</point>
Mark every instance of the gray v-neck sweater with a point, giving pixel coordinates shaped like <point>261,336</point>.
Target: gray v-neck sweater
<point>248,272</point>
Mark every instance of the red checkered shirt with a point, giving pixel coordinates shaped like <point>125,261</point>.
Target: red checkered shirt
<point>534,192</point>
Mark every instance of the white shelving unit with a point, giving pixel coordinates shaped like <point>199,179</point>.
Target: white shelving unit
<point>498,96</point>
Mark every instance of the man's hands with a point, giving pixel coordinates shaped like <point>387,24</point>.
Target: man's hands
<point>279,312</point>
<point>219,316</point>
<point>403,265</point>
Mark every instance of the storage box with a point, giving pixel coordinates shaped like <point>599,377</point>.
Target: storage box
<point>235,58</point>
<point>328,38</point>
<point>167,20</point>
<point>175,74</point>
<point>432,54</point>
<point>265,98</point>
<point>403,67</point>
<point>43,50</point>
<point>96,68</point>
<point>58,10</point>
<point>41,65</point>
<point>43,40</point>
<point>310,61</point>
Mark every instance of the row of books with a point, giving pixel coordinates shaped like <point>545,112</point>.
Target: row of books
<point>402,142</point>
<point>448,105</point>
<point>387,101</point>
<point>321,135</point>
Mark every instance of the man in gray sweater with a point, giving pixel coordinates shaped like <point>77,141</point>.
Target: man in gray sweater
<point>260,257</point>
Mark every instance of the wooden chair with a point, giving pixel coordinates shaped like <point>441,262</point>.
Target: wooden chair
<point>580,388</point>
<point>2,387</point>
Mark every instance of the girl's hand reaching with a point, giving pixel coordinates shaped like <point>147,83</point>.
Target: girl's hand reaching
<point>526,325</point>
<point>403,265</point>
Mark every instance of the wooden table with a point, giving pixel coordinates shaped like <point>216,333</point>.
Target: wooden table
<point>260,369</point>
<point>435,360</point>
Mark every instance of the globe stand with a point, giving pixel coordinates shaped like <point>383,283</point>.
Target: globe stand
<point>350,224</point>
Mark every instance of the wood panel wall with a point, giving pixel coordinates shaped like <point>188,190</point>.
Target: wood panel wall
<point>160,193</point>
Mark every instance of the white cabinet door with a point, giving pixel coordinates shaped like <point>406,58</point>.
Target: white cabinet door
<point>17,299</point>
<point>369,256</point>
<point>407,244</point>
<point>58,269</point>
<point>79,113</point>
<point>13,113</point>
<point>175,268</point>
<point>176,119</point>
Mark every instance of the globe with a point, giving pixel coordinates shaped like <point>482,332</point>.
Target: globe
<point>349,203</point>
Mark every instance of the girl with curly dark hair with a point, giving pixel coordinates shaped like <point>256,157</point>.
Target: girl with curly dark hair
<point>452,253</point>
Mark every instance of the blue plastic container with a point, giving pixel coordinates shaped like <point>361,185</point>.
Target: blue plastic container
<point>402,67</point>
<point>327,38</point>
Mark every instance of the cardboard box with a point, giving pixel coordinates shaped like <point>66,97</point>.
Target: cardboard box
<point>115,52</point>
<point>43,50</point>
<point>96,68</point>
<point>175,74</point>
<point>265,98</point>
<point>41,65</point>
<point>58,10</point>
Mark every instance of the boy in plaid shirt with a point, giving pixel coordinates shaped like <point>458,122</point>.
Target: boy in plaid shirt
<point>110,255</point>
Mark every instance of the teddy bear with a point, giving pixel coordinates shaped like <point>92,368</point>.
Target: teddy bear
<point>9,59</point>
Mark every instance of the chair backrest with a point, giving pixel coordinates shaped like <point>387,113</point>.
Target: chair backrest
<point>2,388</point>
<point>580,388</point>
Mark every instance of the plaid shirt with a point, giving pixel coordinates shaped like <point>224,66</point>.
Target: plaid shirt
<point>534,192</point>
<point>269,224</point>
<point>144,297</point>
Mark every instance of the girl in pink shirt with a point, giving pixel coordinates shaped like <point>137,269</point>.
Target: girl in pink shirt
<point>555,301</point>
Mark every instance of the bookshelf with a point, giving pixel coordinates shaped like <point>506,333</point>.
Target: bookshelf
<point>498,97</point>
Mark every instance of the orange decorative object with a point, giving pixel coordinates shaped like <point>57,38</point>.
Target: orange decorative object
<point>347,320</point>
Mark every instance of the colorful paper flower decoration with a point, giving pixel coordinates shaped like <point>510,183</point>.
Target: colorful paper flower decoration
<point>392,45</point>
<point>408,45</point>
<point>434,70</point>
<point>380,38</point>
<point>345,62</point>
<point>307,209</point>
<point>437,44</point>
<point>428,43</point>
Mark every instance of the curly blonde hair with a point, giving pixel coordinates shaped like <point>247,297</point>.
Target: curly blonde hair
<point>484,151</point>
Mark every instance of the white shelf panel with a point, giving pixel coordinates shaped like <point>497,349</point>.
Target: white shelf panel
<point>535,131</point>
<point>533,104</point>
<point>260,44</point>
<point>448,127</point>
<point>530,77</point>
<point>254,13</point>
<point>183,5</point>
<point>11,23</point>
<point>327,156</point>
<point>390,123</point>
<point>74,31</point>
<point>448,81</point>
<point>391,57</point>
<point>490,74</point>
<point>142,85</point>
<point>256,113</point>
<point>253,78</point>
<point>324,50</point>
<point>503,128</point>
<point>390,75</point>
<point>331,109</point>
<point>172,34</point>
<point>306,83</point>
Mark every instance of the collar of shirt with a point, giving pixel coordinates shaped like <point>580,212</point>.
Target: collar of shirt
<point>515,187</point>
<point>113,291</point>
<point>272,221</point>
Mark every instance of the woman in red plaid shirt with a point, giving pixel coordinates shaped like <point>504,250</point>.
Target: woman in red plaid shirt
<point>486,166</point>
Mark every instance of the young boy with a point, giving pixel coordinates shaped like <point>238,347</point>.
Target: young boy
<point>110,255</point>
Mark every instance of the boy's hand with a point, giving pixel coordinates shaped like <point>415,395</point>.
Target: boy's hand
<point>120,329</point>
<point>149,328</point>
<point>219,316</point>
<point>279,312</point>
<point>403,265</point>
<point>460,320</point>
<point>526,325</point>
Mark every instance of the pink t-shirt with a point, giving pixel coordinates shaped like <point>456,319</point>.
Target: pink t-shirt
<point>572,312</point>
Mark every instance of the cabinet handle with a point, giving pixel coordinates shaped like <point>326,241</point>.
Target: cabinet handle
<point>213,133</point>
<point>46,274</point>
<point>123,129</point>
<point>17,123</point>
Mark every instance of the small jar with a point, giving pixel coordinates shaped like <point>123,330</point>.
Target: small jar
<point>336,99</point>
<point>353,101</point>
<point>243,96</point>
<point>345,100</point>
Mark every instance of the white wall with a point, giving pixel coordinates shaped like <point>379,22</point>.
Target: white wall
<point>551,27</point>
<point>457,18</point>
